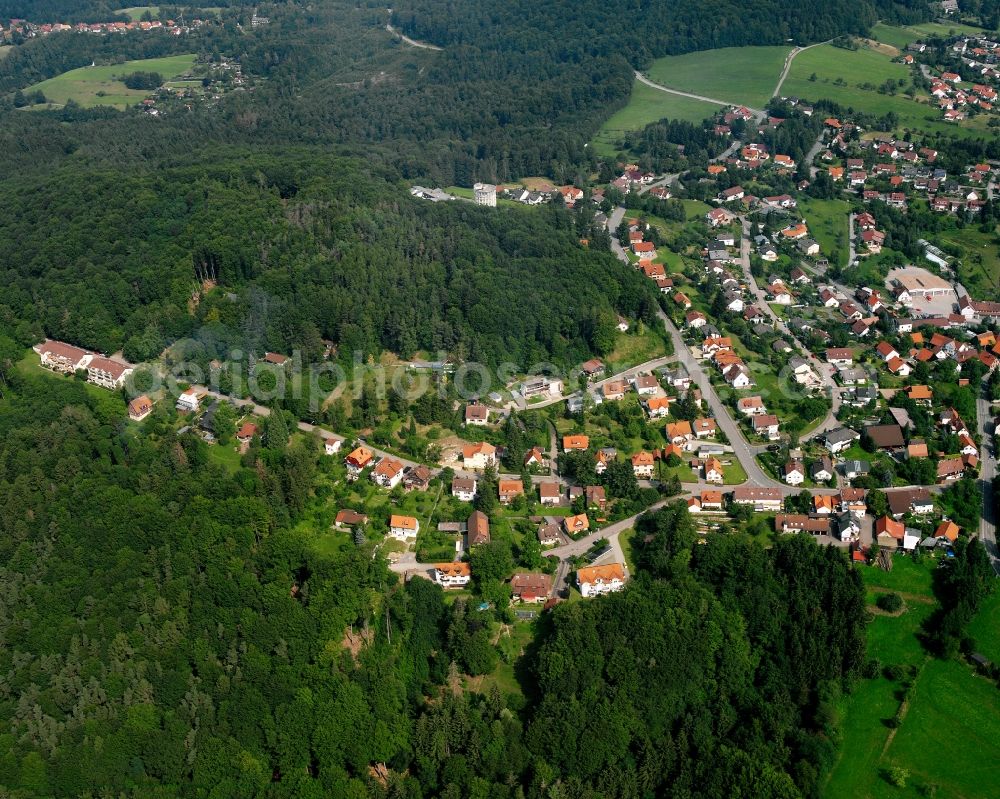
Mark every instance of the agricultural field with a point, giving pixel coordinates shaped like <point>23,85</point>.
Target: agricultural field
<point>852,78</point>
<point>645,106</point>
<point>92,86</point>
<point>947,740</point>
<point>741,75</point>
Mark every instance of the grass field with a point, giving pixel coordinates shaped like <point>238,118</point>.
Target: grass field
<point>980,269</point>
<point>647,105</point>
<point>91,86</point>
<point>852,77</point>
<point>985,629</point>
<point>744,75</point>
<point>4,49</point>
<point>135,13</point>
<point>827,220</point>
<point>949,733</point>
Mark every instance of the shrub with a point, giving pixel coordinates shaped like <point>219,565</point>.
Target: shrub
<point>890,603</point>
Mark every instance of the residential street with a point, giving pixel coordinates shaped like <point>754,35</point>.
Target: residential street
<point>823,371</point>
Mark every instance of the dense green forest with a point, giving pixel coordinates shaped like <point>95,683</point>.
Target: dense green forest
<point>154,643</point>
<point>316,248</point>
<point>519,88</point>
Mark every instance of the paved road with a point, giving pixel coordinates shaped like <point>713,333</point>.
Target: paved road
<point>811,155</point>
<point>987,471</point>
<point>823,371</point>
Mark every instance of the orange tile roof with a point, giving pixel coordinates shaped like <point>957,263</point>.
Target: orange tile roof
<point>576,442</point>
<point>591,574</point>
<point>405,522</point>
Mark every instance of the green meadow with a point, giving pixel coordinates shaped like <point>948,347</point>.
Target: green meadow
<point>947,738</point>
<point>102,85</point>
<point>740,75</point>
<point>647,105</point>
<point>852,78</point>
<point>827,221</point>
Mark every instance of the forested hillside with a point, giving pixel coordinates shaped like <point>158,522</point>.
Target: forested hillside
<point>327,250</point>
<point>167,631</point>
<point>519,88</point>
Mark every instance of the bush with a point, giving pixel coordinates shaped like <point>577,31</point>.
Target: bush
<point>890,603</point>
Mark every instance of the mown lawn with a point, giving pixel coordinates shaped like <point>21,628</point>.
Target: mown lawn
<point>647,105</point>
<point>741,75</point>
<point>92,86</point>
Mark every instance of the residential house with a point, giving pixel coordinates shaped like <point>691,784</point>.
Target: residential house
<point>840,439</point>
<point>476,414</point>
<point>794,473</point>
<point>646,385</point>
<point>359,458</point>
<point>478,529</point>
<point>950,469</point>
<point>525,587</point>
<point>550,493</point>
<point>886,436</point>
<point>821,470</point>
<point>534,457</point>
<point>889,533</point>
<point>713,471</point>
<point>855,468</point>
<point>800,523</point>
<point>509,490</point>
<point>481,455</point>
<point>679,432</point>
<point>948,531</point>
<point>658,407</point>
<point>596,498</point>
<point>909,500</point>
<point>593,368</point>
<point>189,400</point>
<point>246,433</point>
<point>464,488</point>
<point>403,528</point>
<point>576,524</point>
<point>549,535</point>
<point>596,580</point>
<point>751,406</point>
<point>387,473</point>
<point>452,575</point>
<point>140,408</point>
<point>347,518</point>
<point>762,500</point>
<point>331,446</point>
<point>574,443</point>
<point>705,427</point>
<point>840,356</point>
<point>642,465</point>
<point>765,425</point>
<point>613,390</point>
